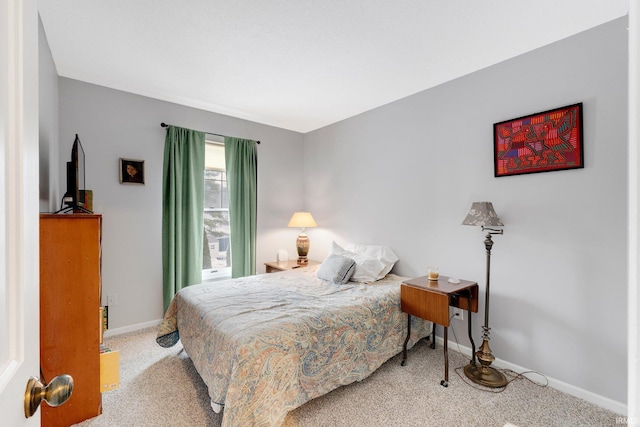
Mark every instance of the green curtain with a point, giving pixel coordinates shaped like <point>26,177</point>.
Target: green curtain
<point>182,210</point>
<point>242,183</point>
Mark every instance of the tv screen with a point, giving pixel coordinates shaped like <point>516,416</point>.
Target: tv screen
<point>72,199</point>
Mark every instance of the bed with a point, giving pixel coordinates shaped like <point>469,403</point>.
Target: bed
<point>267,344</point>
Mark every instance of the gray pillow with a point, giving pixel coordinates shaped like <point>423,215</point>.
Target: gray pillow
<point>337,269</point>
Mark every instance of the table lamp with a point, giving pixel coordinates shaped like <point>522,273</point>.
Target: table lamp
<point>482,214</point>
<point>302,220</point>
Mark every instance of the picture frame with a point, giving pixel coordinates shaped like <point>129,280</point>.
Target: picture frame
<point>551,140</point>
<point>131,171</point>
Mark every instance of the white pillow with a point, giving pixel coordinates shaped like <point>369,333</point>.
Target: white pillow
<point>382,253</point>
<point>367,269</point>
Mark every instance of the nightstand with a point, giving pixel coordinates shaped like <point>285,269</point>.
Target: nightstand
<point>276,266</point>
<point>430,300</point>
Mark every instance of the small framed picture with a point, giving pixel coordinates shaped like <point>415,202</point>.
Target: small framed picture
<point>131,171</point>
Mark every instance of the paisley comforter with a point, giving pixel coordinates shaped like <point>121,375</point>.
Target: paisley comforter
<point>266,344</point>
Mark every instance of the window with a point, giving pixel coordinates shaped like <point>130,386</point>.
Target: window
<point>216,254</point>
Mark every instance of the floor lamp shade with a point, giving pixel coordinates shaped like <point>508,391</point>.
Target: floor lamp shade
<point>302,220</point>
<point>482,214</point>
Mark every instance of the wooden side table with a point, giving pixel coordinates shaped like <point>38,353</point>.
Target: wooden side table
<point>275,266</point>
<point>430,300</point>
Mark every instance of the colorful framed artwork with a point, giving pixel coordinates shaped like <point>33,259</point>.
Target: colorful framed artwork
<point>541,142</point>
<point>131,171</point>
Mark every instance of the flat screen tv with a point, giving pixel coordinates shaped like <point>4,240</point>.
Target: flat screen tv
<point>73,199</point>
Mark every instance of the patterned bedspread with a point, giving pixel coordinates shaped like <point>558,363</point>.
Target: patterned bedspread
<point>266,344</point>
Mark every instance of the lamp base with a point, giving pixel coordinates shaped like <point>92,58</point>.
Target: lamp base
<point>485,375</point>
<point>302,245</point>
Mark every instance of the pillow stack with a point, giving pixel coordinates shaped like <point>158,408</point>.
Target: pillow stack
<point>371,263</point>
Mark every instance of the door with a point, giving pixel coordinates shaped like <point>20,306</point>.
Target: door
<point>19,306</point>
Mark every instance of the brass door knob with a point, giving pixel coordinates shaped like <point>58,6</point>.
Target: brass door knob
<point>55,393</point>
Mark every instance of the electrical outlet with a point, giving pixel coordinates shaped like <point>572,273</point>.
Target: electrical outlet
<point>112,300</point>
<point>458,313</point>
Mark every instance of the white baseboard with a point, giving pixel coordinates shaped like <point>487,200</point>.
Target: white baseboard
<point>596,399</point>
<point>132,328</point>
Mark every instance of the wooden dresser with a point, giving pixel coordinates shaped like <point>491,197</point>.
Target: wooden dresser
<point>70,324</point>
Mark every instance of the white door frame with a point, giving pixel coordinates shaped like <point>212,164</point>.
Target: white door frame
<point>633,358</point>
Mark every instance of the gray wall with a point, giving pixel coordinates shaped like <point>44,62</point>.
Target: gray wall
<point>405,175</point>
<point>48,121</point>
<point>113,124</point>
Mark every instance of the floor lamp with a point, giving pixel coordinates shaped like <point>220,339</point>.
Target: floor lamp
<point>482,214</point>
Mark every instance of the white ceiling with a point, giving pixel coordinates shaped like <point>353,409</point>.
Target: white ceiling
<point>299,64</point>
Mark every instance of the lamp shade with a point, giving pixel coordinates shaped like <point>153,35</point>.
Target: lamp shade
<point>482,214</point>
<point>302,220</point>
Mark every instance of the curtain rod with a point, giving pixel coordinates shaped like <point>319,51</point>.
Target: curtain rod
<point>164,125</point>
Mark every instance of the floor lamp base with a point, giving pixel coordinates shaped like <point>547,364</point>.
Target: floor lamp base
<point>485,375</point>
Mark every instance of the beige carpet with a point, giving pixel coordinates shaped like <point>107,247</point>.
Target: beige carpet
<point>160,387</point>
